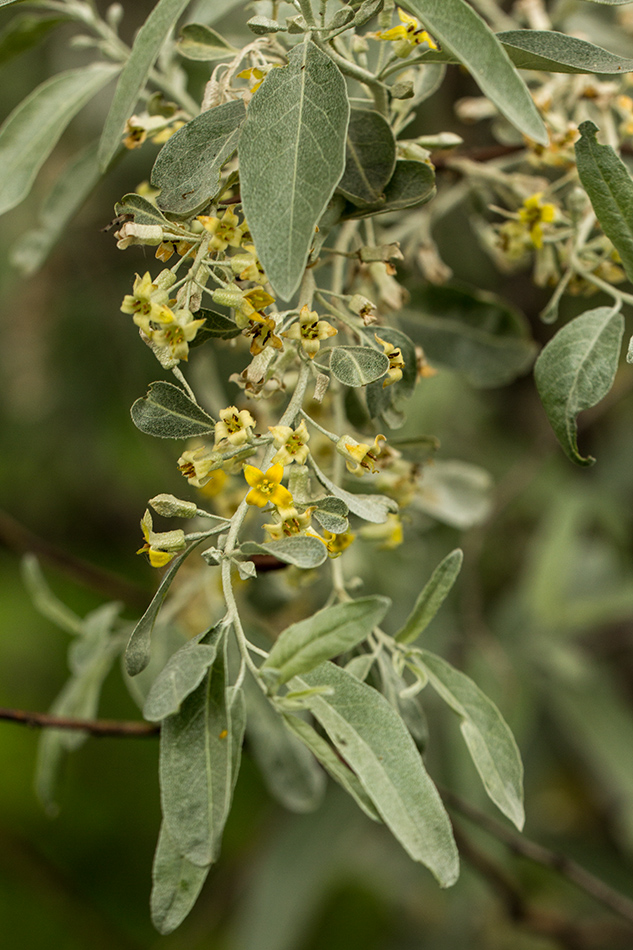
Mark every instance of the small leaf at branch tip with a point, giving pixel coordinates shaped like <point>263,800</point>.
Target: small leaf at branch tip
<point>629,354</point>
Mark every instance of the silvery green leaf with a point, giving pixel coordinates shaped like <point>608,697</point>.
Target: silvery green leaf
<point>373,508</point>
<point>33,129</point>
<point>412,184</point>
<point>461,31</point>
<point>137,652</point>
<point>59,208</point>
<point>487,735</point>
<point>326,634</point>
<point>183,672</point>
<point>290,772</point>
<point>300,550</point>
<point>332,763</point>
<point>188,167</point>
<point>216,327</point>
<point>373,740</point>
<point>166,639</point>
<point>433,595</point>
<point>606,180</point>
<point>200,42</point>
<point>200,750</point>
<point>477,334</point>
<point>168,413</point>
<point>357,365</point>
<point>555,52</point>
<point>384,401</point>
<point>576,369</point>
<point>456,493</point>
<point>408,707</point>
<point>144,211</point>
<point>334,523</point>
<point>147,46</point>
<point>367,10</point>
<point>292,155</point>
<point>370,157</point>
<point>176,884</point>
<point>44,600</point>
<point>262,25</point>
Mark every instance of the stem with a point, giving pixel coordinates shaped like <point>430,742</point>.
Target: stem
<point>378,89</point>
<point>96,727</point>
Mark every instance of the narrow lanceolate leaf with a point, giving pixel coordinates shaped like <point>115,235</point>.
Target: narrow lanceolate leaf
<point>332,763</point>
<point>187,169</point>
<point>292,155</point>
<point>64,200</point>
<point>200,42</point>
<point>137,651</point>
<point>372,738</point>
<point>487,735</point>
<point>143,211</point>
<point>176,883</point>
<point>576,370</point>
<point>183,673</point>
<point>200,749</point>
<point>324,635</point>
<point>555,52</point>
<point>373,508</point>
<point>33,129</point>
<point>168,413</point>
<point>145,50</point>
<point>461,31</point>
<point>609,186</point>
<point>432,597</point>
<point>301,550</point>
<point>370,157</point>
<point>291,773</point>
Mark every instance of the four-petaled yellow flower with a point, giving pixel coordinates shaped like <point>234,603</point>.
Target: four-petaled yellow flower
<point>197,464</point>
<point>533,214</point>
<point>225,230</point>
<point>359,457</point>
<point>262,330</point>
<point>407,36</point>
<point>266,487</point>
<point>291,523</point>
<point>292,444</point>
<point>234,426</point>
<point>160,546</point>
<point>310,331</point>
<point>147,302</point>
<point>396,363</point>
<point>176,332</point>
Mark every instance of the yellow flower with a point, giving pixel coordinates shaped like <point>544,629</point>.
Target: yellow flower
<point>262,330</point>
<point>244,302</point>
<point>147,302</point>
<point>234,426</point>
<point>337,543</point>
<point>291,523</point>
<point>214,483</point>
<point>292,444</point>
<point>267,487</point>
<point>226,230</point>
<point>406,36</point>
<point>247,266</point>
<point>176,333</point>
<point>533,214</point>
<point>197,464</point>
<point>359,457</point>
<point>310,331</point>
<point>160,546</point>
<point>255,76</point>
<point>396,363</point>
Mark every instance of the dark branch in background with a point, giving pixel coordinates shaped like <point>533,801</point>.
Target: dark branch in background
<point>559,863</point>
<point>96,727</point>
<point>21,540</point>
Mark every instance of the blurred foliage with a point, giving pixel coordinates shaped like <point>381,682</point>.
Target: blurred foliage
<point>541,618</point>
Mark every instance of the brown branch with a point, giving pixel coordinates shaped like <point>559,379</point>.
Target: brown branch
<point>16,537</point>
<point>557,862</point>
<point>96,727</point>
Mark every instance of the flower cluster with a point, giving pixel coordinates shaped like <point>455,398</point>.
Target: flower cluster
<point>151,310</point>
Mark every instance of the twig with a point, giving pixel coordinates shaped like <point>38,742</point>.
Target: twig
<point>96,727</point>
<point>557,862</point>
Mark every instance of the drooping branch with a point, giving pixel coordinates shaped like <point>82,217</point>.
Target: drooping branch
<point>96,727</point>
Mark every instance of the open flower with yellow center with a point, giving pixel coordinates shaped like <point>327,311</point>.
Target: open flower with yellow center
<point>290,524</point>
<point>359,457</point>
<point>266,487</point>
<point>309,330</point>
<point>234,426</point>
<point>197,464</point>
<point>337,543</point>
<point>292,444</point>
<point>396,363</point>
<point>534,214</point>
<point>407,36</point>
<point>147,302</point>
<point>160,546</point>
<point>226,230</point>
<point>247,266</point>
<point>262,330</point>
<point>176,333</point>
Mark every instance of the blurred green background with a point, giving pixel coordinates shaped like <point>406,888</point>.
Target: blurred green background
<point>541,618</point>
